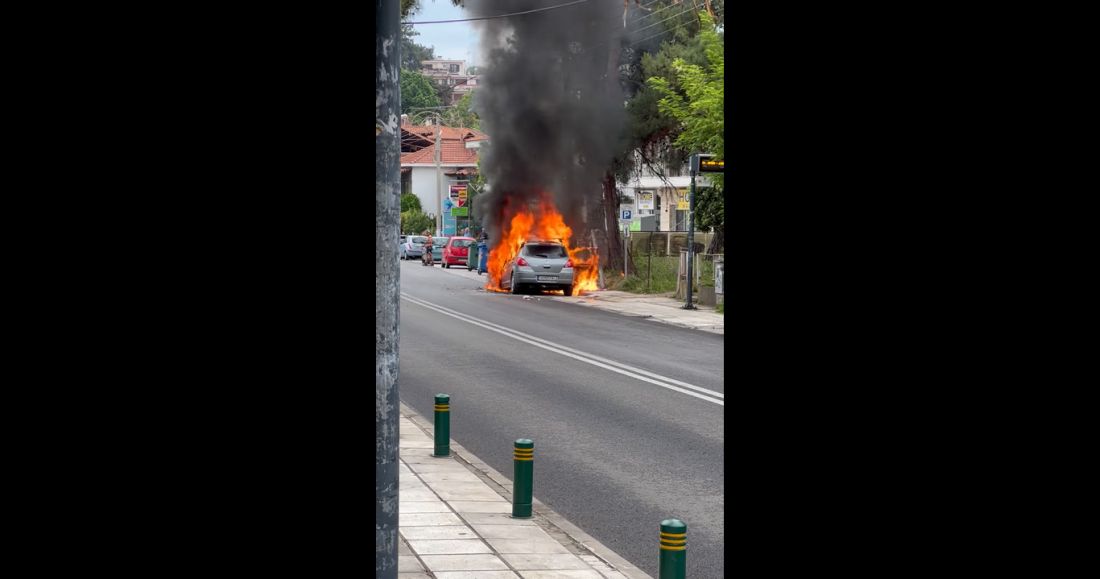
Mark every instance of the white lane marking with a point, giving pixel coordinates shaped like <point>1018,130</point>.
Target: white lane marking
<point>715,397</point>
<point>577,352</point>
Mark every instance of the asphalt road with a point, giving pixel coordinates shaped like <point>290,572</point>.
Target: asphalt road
<point>618,446</point>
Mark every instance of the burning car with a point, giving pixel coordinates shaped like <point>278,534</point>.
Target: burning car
<point>539,264</point>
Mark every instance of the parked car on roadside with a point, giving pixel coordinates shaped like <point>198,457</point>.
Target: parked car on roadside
<point>539,264</point>
<point>413,248</point>
<point>454,253</point>
<point>437,247</point>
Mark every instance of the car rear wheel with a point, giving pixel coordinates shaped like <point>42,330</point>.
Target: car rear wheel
<point>514,288</point>
<point>568,290</point>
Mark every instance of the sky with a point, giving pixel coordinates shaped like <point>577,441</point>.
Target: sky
<point>457,41</point>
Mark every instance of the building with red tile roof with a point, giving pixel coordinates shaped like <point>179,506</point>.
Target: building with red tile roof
<point>458,162</point>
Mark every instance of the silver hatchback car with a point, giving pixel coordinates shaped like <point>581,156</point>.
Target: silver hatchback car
<point>539,264</point>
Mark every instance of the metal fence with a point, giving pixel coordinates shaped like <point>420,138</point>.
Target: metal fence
<point>706,271</point>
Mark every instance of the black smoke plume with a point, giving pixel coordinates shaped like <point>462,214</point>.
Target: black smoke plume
<point>550,101</point>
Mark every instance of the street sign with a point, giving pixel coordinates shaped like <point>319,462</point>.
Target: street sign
<point>645,200</point>
<point>707,164</point>
<point>457,194</point>
<point>625,216</point>
<point>459,211</point>
<point>712,165</point>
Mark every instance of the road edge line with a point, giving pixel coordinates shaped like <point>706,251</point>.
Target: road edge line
<point>575,533</point>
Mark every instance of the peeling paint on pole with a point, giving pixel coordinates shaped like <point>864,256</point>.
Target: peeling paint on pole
<point>387,207</point>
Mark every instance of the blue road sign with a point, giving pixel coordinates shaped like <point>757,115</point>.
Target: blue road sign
<point>626,215</point>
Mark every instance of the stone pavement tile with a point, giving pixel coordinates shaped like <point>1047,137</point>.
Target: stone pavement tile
<point>415,456</point>
<point>437,563</point>
<point>427,519</point>
<point>476,575</point>
<point>403,547</point>
<point>449,546</point>
<point>493,519</point>
<point>526,546</point>
<point>416,495</point>
<point>450,475</point>
<point>553,561</point>
<point>470,493</point>
<point>560,574</point>
<point>408,563</point>
<point>413,576</point>
<point>435,465</point>
<point>410,482</point>
<point>512,532</point>
<point>422,507</point>
<point>459,485</point>
<point>500,506</point>
<point>602,567</point>
<point>415,443</point>
<point>441,532</point>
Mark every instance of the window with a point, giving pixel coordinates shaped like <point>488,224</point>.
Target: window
<point>454,68</point>
<point>545,251</point>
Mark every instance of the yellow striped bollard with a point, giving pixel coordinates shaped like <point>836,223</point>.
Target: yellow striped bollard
<point>442,425</point>
<point>673,549</point>
<point>524,461</point>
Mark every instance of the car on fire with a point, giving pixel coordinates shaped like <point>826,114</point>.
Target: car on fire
<point>454,253</point>
<point>540,264</point>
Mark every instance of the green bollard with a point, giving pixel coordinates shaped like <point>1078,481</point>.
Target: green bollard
<point>521,488</point>
<point>442,425</point>
<point>673,549</point>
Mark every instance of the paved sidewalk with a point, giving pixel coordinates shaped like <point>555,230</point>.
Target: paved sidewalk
<point>455,522</point>
<point>654,307</point>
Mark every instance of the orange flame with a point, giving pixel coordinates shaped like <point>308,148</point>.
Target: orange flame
<point>547,223</point>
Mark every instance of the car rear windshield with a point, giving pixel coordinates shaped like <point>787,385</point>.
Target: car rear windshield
<point>462,243</point>
<point>417,239</point>
<point>439,242</point>
<point>546,251</point>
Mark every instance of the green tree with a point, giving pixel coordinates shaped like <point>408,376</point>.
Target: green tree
<point>412,54</point>
<point>416,221</point>
<point>410,202</point>
<point>416,91</point>
<point>697,105</point>
<point>460,115</point>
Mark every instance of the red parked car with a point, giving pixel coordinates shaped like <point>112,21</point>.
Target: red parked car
<point>454,253</point>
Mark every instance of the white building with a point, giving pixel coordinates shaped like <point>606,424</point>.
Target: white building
<point>666,197</point>
<point>458,161</point>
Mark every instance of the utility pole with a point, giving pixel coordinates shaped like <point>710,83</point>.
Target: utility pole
<point>438,178</point>
<point>691,231</point>
<point>387,210</point>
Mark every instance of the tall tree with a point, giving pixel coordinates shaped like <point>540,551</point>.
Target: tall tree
<point>461,115</point>
<point>412,54</point>
<point>698,106</point>
<point>416,91</point>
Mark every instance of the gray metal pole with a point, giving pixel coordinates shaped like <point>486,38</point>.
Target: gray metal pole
<point>387,211</point>
<point>438,179</point>
<point>691,232</point>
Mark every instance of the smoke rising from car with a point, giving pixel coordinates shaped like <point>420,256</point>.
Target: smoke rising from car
<point>550,101</point>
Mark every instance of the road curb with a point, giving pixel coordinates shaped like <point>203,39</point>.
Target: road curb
<point>612,560</point>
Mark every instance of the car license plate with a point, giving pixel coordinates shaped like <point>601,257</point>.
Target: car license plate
<point>547,278</point>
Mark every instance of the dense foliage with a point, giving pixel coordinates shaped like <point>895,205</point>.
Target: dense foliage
<point>417,91</point>
<point>409,202</point>
<point>416,221</point>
